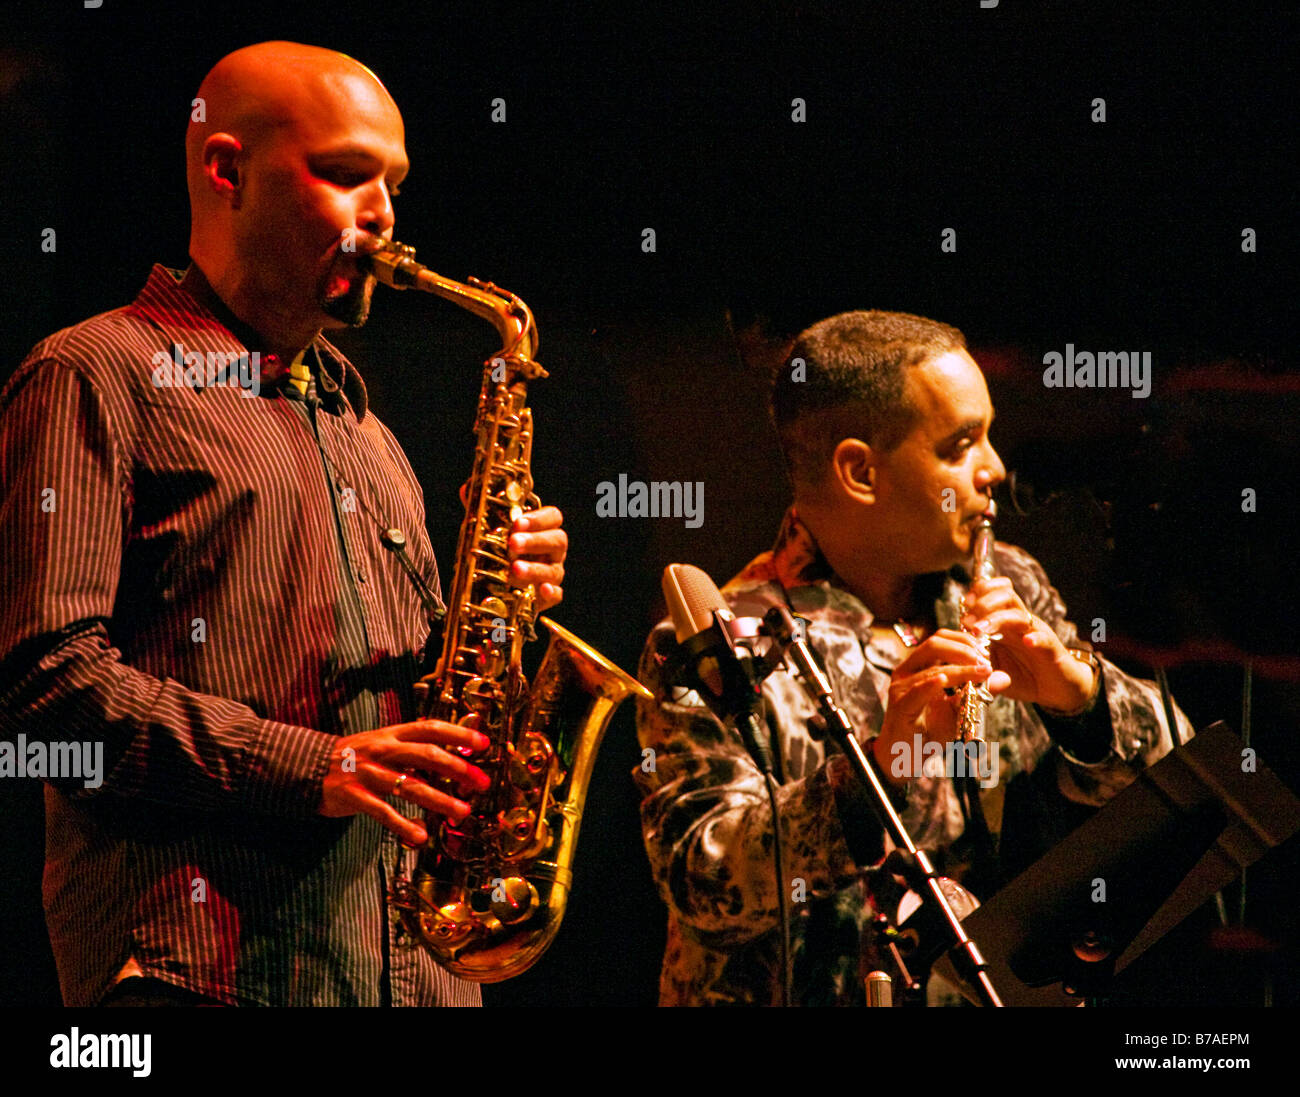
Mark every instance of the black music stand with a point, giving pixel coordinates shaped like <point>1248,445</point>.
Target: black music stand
<point>1156,852</point>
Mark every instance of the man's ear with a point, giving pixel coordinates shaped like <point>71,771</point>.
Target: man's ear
<point>222,154</point>
<point>853,470</point>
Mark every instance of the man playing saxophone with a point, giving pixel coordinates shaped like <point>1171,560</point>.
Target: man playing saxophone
<point>885,432</point>
<point>199,581</point>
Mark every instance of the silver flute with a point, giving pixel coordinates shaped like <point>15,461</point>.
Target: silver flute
<point>974,696</point>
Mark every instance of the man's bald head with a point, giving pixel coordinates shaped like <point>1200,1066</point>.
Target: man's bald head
<point>298,149</point>
<point>259,90</point>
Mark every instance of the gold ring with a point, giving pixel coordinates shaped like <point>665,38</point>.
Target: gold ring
<point>397,785</point>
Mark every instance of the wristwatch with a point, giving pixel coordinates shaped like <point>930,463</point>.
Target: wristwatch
<point>1084,655</point>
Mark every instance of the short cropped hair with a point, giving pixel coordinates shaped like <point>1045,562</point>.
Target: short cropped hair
<point>851,385</point>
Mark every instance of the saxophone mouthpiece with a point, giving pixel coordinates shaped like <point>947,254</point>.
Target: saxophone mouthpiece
<point>392,263</point>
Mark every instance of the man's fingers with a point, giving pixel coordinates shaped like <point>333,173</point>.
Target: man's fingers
<point>359,797</point>
<point>1012,621</point>
<point>981,587</point>
<point>410,831</point>
<point>551,545</point>
<point>913,692</point>
<point>376,786</point>
<point>996,605</point>
<point>548,597</point>
<point>395,761</point>
<point>944,647</point>
<point>537,548</point>
<point>998,682</point>
<point>542,519</point>
<point>429,758</point>
<point>523,573</point>
<point>441,732</point>
<point>422,794</point>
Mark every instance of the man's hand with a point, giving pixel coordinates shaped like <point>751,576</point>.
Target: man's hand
<point>537,549</point>
<point>1042,670</point>
<point>922,698</point>
<point>365,779</point>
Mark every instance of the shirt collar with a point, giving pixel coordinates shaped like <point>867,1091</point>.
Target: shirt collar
<point>797,561</point>
<point>185,304</point>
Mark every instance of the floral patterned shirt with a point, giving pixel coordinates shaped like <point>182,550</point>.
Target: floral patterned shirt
<point>706,815</point>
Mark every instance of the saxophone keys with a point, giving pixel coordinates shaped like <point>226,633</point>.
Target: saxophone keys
<point>513,899</point>
<point>518,823</point>
<point>526,771</point>
<point>452,923</point>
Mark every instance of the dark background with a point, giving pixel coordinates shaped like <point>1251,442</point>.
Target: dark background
<point>920,117</point>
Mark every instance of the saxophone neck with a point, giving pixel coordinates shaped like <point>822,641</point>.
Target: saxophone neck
<point>394,264</point>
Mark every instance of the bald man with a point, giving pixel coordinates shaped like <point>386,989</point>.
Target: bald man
<point>206,645</point>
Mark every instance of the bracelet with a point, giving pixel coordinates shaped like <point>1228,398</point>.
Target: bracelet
<point>1084,655</point>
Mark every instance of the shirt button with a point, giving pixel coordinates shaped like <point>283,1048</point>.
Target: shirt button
<point>361,575</point>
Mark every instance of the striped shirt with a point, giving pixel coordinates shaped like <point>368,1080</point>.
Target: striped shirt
<point>195,580</point>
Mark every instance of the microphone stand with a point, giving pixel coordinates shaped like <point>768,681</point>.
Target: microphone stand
<point>966,956</point>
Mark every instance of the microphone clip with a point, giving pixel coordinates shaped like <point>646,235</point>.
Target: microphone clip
<point>728,685</point>
<point>722,666</point>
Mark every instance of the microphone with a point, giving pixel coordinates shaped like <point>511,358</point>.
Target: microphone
<point>720,669</point>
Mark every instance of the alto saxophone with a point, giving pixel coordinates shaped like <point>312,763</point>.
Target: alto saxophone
<point>488,893</point>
